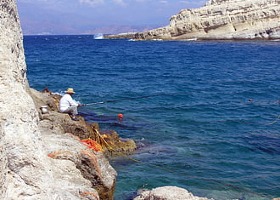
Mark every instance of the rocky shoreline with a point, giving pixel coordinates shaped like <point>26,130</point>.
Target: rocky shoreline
<point>64,138</point>
<point>43,153</point>
<point>63,143</point>
<point>219,20</point>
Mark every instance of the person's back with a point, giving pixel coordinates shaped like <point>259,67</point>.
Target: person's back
<point>68,105</point>
<point>66,101</point>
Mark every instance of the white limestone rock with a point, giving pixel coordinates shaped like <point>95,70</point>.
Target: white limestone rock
<point>19,137</point>
<point>167,193</point>
<point>223,19</point>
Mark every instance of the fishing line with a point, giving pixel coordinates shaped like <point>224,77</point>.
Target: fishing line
<point>101,102</point>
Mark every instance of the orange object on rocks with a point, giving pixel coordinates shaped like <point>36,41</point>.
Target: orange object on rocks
<point>90,143</point>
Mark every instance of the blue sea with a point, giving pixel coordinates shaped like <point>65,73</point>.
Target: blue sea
<point>205,114</point>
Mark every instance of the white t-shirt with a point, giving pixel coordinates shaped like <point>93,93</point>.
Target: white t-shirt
<point>66,101</point>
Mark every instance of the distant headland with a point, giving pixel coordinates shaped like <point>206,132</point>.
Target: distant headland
<point>220,20</point>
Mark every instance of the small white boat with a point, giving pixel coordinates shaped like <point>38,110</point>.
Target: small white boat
<point>191,39</point>
<point>98,36</point>
<point>157,39</point>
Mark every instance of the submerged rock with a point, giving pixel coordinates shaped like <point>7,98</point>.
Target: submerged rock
<point>220,19</point>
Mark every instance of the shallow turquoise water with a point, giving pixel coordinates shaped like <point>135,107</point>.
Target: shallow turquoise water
<point>204,114</point>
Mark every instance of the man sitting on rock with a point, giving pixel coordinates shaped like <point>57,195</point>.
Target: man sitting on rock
<point>68,105</point>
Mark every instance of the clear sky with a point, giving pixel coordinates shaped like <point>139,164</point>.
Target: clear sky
<point>94,16</point>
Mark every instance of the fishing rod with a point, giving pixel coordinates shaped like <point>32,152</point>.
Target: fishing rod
<point>100,102</point>
<point>122,99</point>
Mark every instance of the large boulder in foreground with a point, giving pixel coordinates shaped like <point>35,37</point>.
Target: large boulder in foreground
<point>167,193</point>
<point>221,19</point>
<point>25,171</point>
<point>81,166</point>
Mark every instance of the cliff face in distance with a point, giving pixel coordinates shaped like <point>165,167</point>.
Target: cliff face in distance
<point>222,19</point>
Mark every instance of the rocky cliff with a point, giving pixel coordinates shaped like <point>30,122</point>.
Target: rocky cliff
<point>222,19</point>
<point>18,127</point>
<point>38,159</point>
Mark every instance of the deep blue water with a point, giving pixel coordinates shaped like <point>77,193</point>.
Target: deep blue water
<point>206,114</point>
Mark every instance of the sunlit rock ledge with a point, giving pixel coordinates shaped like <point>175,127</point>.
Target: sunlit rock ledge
<point>220,20</point>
